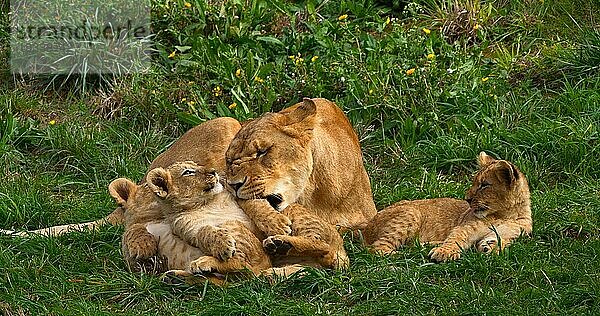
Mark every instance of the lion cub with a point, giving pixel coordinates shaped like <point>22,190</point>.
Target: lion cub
<point>496,211</point>
<point>204,215</point>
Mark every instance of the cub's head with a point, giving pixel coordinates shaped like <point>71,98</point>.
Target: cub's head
<point>497,188</point>
<point>135,200</point>
<point>184,184</point>
<point>270,157</point>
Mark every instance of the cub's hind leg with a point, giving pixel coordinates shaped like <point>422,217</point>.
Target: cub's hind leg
<point>391,228</point>
<point>312,238</point>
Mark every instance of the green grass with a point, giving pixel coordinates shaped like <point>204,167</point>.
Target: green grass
<point>523,86</point>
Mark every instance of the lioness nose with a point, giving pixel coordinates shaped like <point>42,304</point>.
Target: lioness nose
<point>237,185</point>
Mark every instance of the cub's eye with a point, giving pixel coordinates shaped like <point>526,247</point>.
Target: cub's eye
<point>484,185</point>
<point>261,152</point>
<point>188,172</point>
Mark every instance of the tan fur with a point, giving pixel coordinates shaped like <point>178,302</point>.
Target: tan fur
<point>307,154</point>
<point>496,211</point>
<point>206,217</point>
<point>204,144</point>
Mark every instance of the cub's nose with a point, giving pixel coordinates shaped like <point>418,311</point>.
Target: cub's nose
<point>236,185</point>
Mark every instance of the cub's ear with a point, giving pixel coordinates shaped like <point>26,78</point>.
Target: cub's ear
<point>121,190</point>
<point>484,159</point>
<point>505,172</point>
<point>160,182</point>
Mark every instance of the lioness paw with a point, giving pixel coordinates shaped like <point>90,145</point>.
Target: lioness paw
<point>204,265</point>
<point>276,245</point>
<point>444,253</point>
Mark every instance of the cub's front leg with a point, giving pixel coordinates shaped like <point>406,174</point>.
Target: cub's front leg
<point>265,217</point>
<point>460,238</point>
<point>216,241</point>
<point>500,235</point>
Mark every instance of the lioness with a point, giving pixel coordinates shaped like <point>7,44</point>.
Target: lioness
<point>496,211</point>
<point>306,155</point>
<point>207,217</point>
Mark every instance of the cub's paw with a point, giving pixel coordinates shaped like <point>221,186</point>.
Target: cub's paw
<point>275,224</point>
<point>204,265</point>
<point>139,245</point>
<point>224,247</point>
<point>444,253</point>
<point>488,245</point>
<point>277,245</point>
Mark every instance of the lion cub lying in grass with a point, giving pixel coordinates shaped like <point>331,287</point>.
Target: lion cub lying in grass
<point>200,212</point>
<point>496,211</point>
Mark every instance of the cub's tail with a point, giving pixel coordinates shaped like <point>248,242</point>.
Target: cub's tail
<point>115,218</point>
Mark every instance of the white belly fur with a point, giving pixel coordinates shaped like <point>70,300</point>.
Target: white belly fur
<point>178,253</point>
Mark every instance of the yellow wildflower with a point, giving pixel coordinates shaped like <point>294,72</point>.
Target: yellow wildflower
<point>431,56</point>
<point>238,73</point>
<point>217,91</point>
<point>187,4</point>
<point>314,58</point>
<point>410,71</point>
<point>342,17</point>
<point>292,57</point>
<point>476,27</point>
<point>52,122</point>
<point>299,61</point>
<point>171,55</point>
<point>426,31</point>
<point>191,103</point>
<point>484,79</point>
<point>258,79</point>
<point>371,91</point>
<point>183,100</point>
<point>232,106</point>
<point>388,20</point>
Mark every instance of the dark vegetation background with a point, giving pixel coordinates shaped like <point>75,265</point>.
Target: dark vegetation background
<point>427,85</point>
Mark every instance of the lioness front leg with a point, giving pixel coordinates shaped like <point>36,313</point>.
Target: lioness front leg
<point>265,217</point>
<point>311,237</point>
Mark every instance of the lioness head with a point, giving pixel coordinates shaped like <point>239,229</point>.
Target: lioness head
<point>184,184</point>
<point>270,157</point>
<point>497,187</point>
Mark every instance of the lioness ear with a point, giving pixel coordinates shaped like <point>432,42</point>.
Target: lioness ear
<point>304,113</point>
<point>121,190</point>
<point>484,159</point>
<point>159,181</point>
<point>505,172</point>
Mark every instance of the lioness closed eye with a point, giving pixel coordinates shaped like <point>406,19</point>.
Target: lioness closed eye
<point>207,217</point>
<point>496,211</point>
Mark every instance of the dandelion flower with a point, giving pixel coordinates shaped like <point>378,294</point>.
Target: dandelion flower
<point>431,56</point>
<point>426,31</point>
<point>342,17</point>
<point>232,106</point>
<point>171,55</point>
<point>314,58</point>
<point>187,4</point>
<point>410,71</point>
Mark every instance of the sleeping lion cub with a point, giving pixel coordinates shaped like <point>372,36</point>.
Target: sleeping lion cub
<point>496,211</point>
<point>205,216</point>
